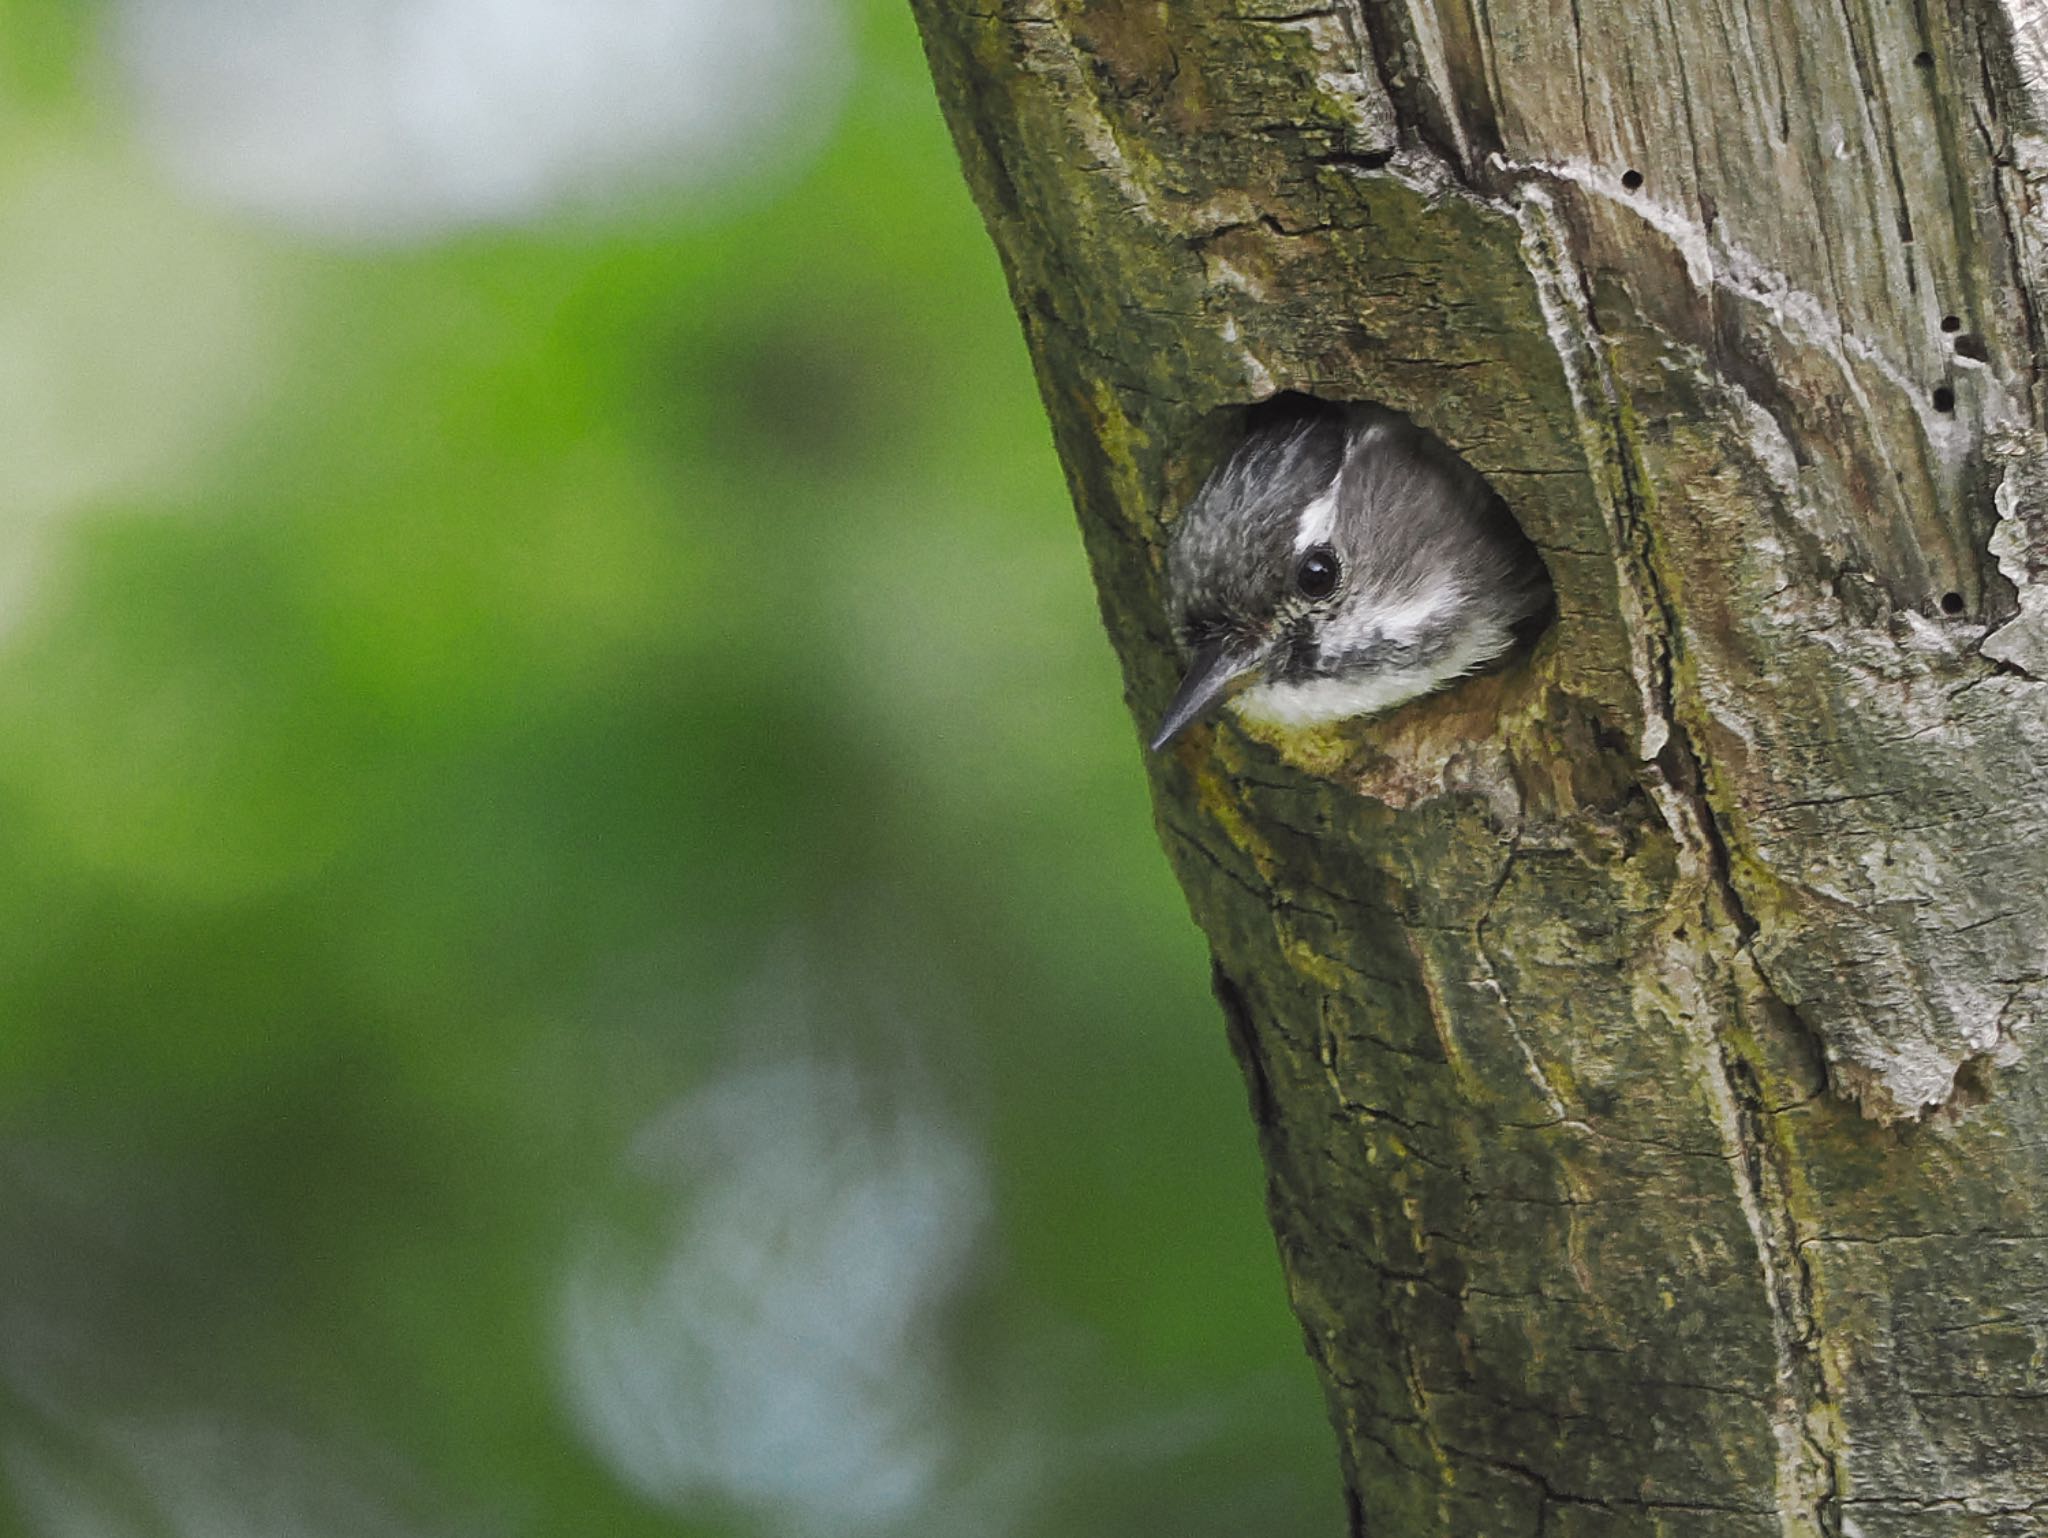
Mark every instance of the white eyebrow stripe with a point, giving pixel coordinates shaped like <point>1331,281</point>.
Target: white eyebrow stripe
<point>1318,520</point>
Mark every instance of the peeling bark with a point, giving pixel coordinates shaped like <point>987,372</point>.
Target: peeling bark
<point>1639,1038</point>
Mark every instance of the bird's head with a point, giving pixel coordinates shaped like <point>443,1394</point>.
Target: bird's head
<point>1338,562</point>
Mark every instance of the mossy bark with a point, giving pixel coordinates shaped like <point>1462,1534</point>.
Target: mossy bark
<point>1640,1038</point>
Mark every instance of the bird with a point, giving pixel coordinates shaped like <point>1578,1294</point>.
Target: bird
<point>1340,561</point>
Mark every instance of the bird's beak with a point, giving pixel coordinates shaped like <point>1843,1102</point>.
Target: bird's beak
<point>1215,666</point>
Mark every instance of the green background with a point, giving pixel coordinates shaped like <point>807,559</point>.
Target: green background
<point>463,704</point>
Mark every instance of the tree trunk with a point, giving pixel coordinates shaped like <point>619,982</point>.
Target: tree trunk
<point>1638,1038</point>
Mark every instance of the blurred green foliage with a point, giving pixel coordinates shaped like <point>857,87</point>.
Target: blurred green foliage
<point>436,683</point>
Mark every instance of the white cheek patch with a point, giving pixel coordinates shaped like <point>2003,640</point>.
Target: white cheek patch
<point>1407,619</point>
<point>1359,624</point>
<point>1318,520</point>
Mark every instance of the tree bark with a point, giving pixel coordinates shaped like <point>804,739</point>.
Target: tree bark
<point>1639,1038</point>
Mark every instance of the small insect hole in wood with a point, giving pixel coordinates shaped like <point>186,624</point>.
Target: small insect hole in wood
<point>1951,603</point>
<point>1951,323</point>
<point>1944,398</point>
<point>1631,179</point>
<point>1923,60</point>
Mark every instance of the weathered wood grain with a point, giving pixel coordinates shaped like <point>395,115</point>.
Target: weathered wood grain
<point>1640,1039</point>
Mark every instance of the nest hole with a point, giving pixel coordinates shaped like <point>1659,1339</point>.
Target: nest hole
<point>1331,422</point>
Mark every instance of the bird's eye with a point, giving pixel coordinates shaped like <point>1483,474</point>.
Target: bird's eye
<point>1316,576</point>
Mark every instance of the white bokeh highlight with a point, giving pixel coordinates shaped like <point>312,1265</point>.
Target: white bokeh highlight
<point>778,1351</point>
<point>390,120</point>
